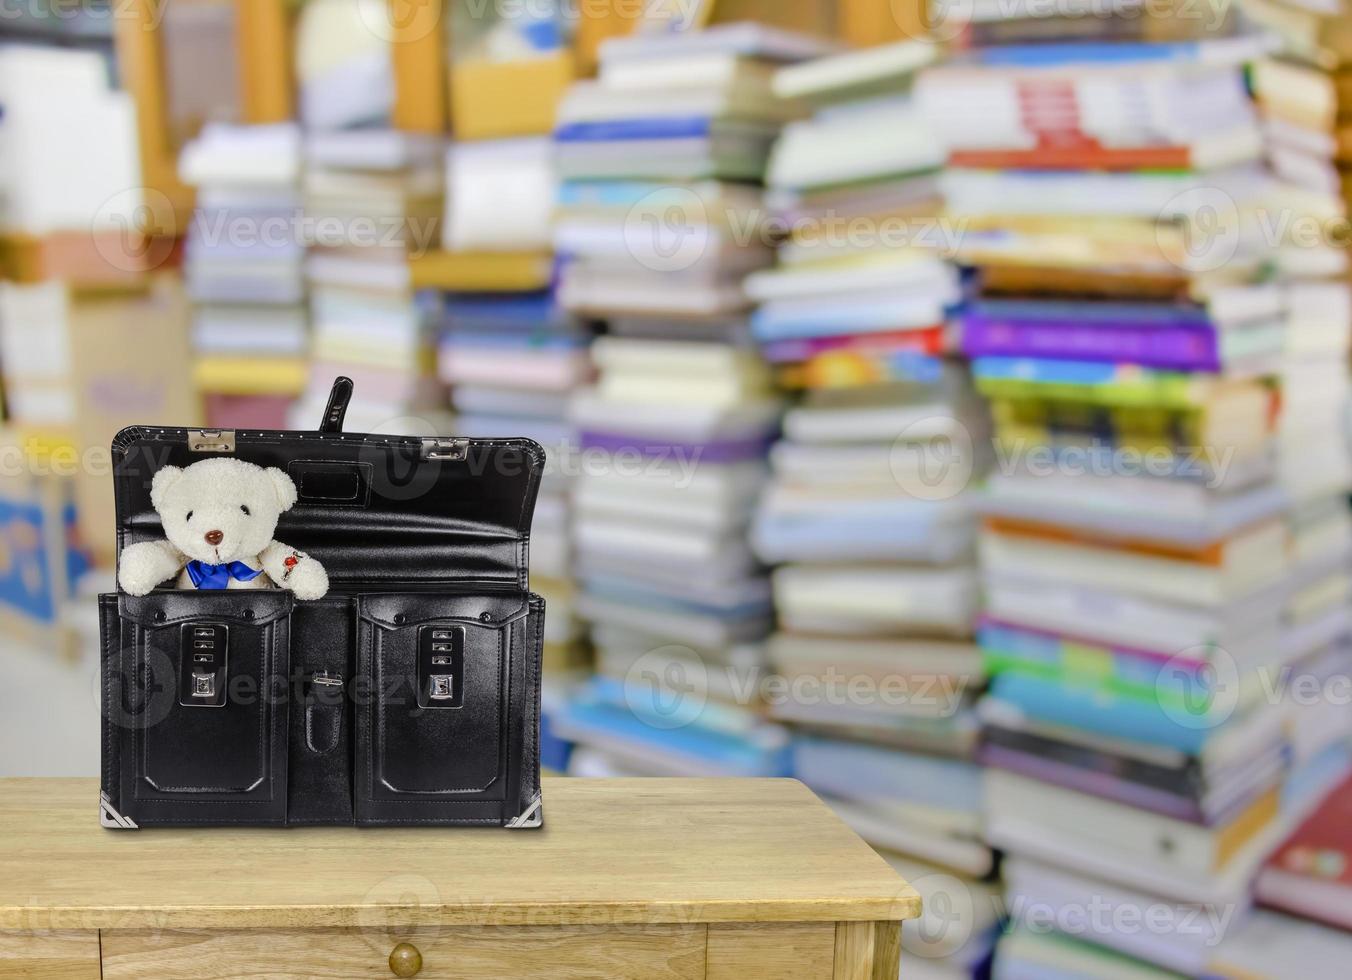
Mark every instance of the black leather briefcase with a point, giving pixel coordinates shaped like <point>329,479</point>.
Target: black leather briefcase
<point>408,695</point>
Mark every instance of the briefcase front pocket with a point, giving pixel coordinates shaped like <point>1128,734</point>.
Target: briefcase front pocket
<point>196,693</point>
<point>436,674</point>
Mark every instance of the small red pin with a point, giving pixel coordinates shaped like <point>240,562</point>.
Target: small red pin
<point>291,561</point>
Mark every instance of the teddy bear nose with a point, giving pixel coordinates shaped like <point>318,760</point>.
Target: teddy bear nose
<point>214,537</point>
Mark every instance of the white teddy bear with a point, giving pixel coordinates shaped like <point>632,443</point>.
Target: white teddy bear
<point>219,516</point>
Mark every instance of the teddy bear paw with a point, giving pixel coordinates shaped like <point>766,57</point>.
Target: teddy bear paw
<point>143,566</point>
<point>308,580</point>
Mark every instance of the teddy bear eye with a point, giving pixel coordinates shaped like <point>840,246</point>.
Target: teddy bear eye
<point>189,517</point>
<point>245,509</point>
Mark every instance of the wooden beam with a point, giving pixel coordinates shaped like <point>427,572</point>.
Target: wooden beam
<point>865,23</point>
<point>141,67</point>
<point>266,63</point>
<point>418,40</point>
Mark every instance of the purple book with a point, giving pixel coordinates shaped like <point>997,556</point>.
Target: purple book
<point>1094,783</point>
<point>1184,342</point>
<point>714,451</point>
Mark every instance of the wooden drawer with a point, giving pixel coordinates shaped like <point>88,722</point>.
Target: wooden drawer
<point>49,955</point>
<point>490,953</point>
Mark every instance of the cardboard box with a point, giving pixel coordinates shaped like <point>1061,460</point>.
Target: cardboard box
<point>40,557</point>
<point>131,364</point>
<point>490,100</point>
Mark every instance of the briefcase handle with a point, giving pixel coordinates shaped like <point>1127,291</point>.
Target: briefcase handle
<point>336,410</point>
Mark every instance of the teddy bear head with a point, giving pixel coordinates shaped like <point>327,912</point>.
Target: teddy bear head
<point>221,510</point>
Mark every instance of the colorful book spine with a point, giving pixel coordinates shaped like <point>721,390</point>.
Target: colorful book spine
<point>1181,347</point>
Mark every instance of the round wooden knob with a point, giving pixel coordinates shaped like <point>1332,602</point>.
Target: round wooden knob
<point>405,960</point>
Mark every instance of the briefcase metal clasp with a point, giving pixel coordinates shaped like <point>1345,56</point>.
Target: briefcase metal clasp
<point>441,666</point>
<point>203,661</point>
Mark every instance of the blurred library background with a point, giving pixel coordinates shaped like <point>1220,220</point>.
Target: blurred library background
<point>946,407</point>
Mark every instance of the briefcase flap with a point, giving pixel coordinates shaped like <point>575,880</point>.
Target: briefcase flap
<point>236,607</point>
<point>381,512</point>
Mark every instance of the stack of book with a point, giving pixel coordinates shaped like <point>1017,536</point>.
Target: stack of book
<point>1134,552</point>
<point>673,438</point>
<point>71,208</point>
<point>243,265</point>
<point>512,360</point>
<point>1304,96</point>
<point>661,158</point>
<point>513,356</point>
<point>1306,91</point>
<point>868,514</point>
<point>82,175</point>
<point>1310,874</point>
<point>344,63</point>
<point>659,222</point>
<point>373,202</point>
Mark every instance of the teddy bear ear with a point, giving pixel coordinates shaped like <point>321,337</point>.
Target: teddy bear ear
<point>285,487</point>
<point>165,477</point>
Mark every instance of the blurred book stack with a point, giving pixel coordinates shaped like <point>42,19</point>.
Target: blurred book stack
<point>868,514</point>
<point>660,220</point>
<point>243,265</point>
<point>1310,875</point>
<point>510,353</point>
<point>70,199</point>
<point>373,198</point>
<point>1135,546</point>
<point>90,339</point>
<point>1304,95</point>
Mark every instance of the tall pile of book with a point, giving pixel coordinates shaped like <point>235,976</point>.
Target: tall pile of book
<point>659,222</point>
<point>243,266</point>
<point>1304,95</point>
<point>513,357</point>
<point>373,200</point>
<point>1134,551</point>
<point>868,513</point>
<point>373,204</point>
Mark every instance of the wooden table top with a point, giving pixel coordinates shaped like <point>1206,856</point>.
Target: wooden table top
<point>612,851</point>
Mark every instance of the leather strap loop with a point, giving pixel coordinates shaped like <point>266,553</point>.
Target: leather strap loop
<point>336,410</point>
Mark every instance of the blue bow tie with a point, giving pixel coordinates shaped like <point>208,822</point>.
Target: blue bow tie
<point>206,576</point>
